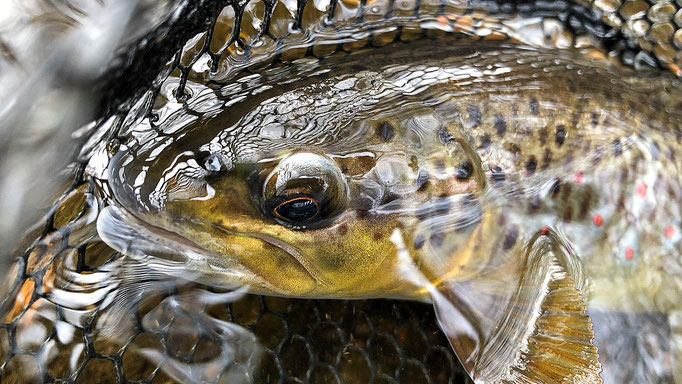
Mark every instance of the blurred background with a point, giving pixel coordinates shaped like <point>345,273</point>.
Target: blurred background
<point>53,56</point>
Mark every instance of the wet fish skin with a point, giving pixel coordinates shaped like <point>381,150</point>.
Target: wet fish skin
<point>496,179</point>
<point>537,134</point>
<point>496,175</point>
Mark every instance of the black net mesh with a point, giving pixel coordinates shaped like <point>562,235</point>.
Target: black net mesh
<point>226,36</point>
<point>212,42</point>
<point>301,340</point>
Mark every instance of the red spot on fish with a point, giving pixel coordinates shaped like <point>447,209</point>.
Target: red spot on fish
<point>669,232</point>
<point>641,189</point>
<point>578,178</point>
<point>598,220</point>
<point>545,231</point>
<point>629,253</point>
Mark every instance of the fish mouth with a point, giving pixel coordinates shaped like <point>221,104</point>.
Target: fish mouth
<point>170,252</point>
<point>266,264</point>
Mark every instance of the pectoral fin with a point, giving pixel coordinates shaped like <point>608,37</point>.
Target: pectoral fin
<point>521,323</point>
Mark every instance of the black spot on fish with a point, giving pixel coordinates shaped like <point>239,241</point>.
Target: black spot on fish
<point>500,125</point>
<point>542,135</point>
<point>531,165</point>
<point>438,207</point>
<point>423,212</point>
<point>378,235</point>
<point>567,214</point>
<point>497,175</point>
<point>436,239</point>
<point>470,212</point>
<point>474,115</point>
<point>439,165</point>
<point>560,135</point>
<point>502,220</point>
<point>343,229</point>
<point>510,238</point>
<point>546,158</point>
<point>617,147</point>
<point>565,192</point>
<point>485,141</point>
<point>419,241</point>
<point>444,135</point>
<point>585,204</point>
<point>386,131</point>
<point>464,171</point>
<point>534,106</point>
<point>566,197</point>
<point>441,206</point>
<point>595,118</point>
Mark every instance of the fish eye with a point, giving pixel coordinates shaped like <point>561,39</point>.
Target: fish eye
<point>303,191</point>
<point>297,209</point>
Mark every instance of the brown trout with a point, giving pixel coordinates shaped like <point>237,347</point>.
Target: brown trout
<point>475,177</point>
<point>532,196</point>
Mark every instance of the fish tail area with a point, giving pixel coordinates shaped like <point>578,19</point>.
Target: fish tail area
<point>524,321</point>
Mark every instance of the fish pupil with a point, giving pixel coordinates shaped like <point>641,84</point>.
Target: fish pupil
<point>297,209</point>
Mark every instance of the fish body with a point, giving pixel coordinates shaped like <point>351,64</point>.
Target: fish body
<point>532,146</point>
<point>474,172</point>
<point>531,196</point>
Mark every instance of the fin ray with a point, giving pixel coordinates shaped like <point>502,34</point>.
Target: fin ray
<point>536,329</point>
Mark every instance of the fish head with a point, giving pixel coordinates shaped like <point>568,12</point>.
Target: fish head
<point>317,220</point>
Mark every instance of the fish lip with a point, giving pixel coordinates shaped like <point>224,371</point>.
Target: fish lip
<point>161,237</point>
<point>286,247</point>
<point>174,241</point>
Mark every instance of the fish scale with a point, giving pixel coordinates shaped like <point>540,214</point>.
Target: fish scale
<point>66,243</point>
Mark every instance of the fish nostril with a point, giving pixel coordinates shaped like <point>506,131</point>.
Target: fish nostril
<point>444,136</point>
<point>216,162</point>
